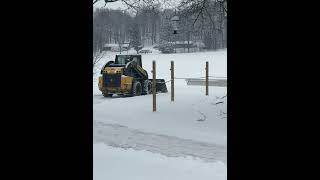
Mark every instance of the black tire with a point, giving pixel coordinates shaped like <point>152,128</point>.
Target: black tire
<point>136,89</point>
<point>163,89</point>
<point>147,87</point>
<point>107,95</point>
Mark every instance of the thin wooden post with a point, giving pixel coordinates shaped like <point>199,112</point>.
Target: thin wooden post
<point>207,78</point>
<point>154,85</point>
<point>172,81</point>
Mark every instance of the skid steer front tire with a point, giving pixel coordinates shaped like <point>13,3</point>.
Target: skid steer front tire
<point>147,87</point>
<point>136,89</point>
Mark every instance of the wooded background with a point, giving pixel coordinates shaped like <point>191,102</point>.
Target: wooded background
<point>148,22</point>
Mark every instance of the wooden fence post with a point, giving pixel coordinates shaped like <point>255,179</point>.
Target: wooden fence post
<point>172,81</point>
<point>207,78</point>
<point>154,85</point>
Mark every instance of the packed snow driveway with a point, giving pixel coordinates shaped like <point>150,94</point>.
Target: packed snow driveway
<point>124,137</point>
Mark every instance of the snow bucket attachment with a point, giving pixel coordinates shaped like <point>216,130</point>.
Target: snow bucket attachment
<point>161,85</point>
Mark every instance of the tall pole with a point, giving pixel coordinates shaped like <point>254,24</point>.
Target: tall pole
<point>119,40</point>
<point>172,81</point>
<point>207,78</point>
<point>154,86</point>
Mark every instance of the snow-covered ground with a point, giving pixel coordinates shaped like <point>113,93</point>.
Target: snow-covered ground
<point>119,164</point>
<point>193,125</point>
<point>171,146</point>
<point>191,116</point>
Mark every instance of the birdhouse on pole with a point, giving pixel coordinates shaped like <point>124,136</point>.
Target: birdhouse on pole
<point>175,20</point>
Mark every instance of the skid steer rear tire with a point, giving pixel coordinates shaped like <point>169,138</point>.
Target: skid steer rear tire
<point>136,89</point>
<point>147,87</point>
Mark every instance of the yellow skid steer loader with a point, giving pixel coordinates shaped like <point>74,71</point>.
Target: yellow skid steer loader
<point>125,76</point>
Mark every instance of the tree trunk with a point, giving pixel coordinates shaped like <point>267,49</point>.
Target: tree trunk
<point>188,41</point>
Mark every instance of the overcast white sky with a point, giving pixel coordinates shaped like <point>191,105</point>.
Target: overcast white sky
<point>121,5</point>
<point>113,5</point>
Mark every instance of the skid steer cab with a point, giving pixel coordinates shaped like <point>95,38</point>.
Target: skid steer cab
<point>125,76</point>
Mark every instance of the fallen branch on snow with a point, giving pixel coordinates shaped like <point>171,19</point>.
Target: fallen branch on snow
<point>204,116</point>
<point>224,96</point>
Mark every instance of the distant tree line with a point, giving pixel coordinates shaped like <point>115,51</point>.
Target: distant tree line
<point>200,21</point>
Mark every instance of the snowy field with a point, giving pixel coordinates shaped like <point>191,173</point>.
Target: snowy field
<point>194,125</point>
<point>119,164</point>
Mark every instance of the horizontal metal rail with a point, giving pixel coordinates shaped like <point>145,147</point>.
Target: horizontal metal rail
<point>202,82</point>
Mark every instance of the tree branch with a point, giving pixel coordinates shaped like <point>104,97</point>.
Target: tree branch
<point>197,16</point>
<point>94,1</point>
<point>222,4</point>
<point>131,5</point>
<point>213,24</point>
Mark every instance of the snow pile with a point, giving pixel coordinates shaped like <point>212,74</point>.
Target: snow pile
<point>119,164</point>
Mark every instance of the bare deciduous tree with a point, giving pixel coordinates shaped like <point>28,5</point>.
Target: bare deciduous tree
<point>207,17</point>
<point>97,56</point>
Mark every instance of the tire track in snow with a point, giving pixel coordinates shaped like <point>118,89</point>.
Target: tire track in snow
<point>123,137</point>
